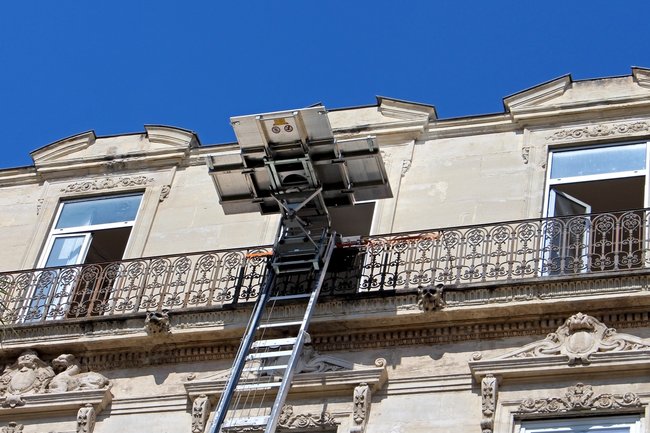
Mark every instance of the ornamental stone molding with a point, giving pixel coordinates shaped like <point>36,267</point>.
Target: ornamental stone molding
<point>201,407</point>
<point>30,376</point>
<point>107,184</point>
<point>332,378</point>
<point>322,371</point>
<point>86,417</point>
<point>360,408</point>
<point>489,390</point>
<point>580,397</point>
<point>70,377</point>
<point>291,421</point>
<point>600,130</point>
<point>164,192</point>
<point>312,361</point>
<point>578,338</point>
<point>582,344</point>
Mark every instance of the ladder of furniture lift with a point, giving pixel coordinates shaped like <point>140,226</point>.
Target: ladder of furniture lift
<point>289,347</point>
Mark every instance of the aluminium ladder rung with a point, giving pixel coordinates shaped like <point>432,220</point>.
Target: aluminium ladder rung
<point>251,421</point>
<point>265,368</point>
<point>270,354</point>
<point>287,297</point>
<point>279,324</point>
<point>276,342</point>
<point>257,386</point>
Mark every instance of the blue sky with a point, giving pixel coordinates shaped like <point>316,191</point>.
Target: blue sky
<point>114,66</point>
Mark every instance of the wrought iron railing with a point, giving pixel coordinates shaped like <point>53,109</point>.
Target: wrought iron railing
<point>515,250</point>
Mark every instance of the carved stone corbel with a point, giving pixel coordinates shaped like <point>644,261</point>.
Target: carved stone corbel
<point>489,390</point>
<point>201,408</point>
<point>157,323</point>
<point>86,419</point>
<point>431,298</point>
<point>361,407</point>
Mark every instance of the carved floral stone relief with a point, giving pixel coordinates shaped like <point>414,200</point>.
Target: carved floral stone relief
<point>489,389</point>
<point>600,130</point>
<point>30,375</point>
<point>200,413</point>
<point>361,407</point>
<point>580,397</point>
<point>291,421</point>
<point>107,183</point>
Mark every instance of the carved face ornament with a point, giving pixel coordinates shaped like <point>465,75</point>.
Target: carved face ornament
<point>581,339</point>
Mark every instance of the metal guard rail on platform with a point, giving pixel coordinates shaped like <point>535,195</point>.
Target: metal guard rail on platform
<point>507,251</point>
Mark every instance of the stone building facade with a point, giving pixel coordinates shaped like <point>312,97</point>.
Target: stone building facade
<point>503,288</point>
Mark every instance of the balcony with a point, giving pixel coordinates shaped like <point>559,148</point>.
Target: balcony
<point>525,250</point>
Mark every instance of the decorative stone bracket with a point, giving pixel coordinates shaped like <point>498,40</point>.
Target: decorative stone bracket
<point>361,407</point>
<point>489,390</point>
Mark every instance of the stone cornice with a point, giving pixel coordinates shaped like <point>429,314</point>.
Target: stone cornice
<point>18,176</point>
<point>470,126</point>
<point>326,383</point>
<point>405,128</point>
<point>58,403</point>
<point>558,365</point>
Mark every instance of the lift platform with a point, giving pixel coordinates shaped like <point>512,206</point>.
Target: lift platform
<point>288,163</point>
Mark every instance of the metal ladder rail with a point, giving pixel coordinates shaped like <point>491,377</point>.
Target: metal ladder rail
<point>242,352</point>
<point>285,385</point>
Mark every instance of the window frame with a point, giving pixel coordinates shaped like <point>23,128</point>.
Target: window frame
<point>634,423</point>
<point>551,182</point>
<point>55,233</point>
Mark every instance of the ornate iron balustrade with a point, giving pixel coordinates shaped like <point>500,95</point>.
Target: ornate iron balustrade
<point>516,250</point>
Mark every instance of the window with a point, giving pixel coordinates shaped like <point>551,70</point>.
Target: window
<point>584,182</point>
<point>593,179</point>
<point>87,231</point>
<point>618,424</point>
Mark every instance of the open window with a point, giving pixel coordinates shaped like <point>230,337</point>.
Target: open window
<point>595,196</point>
<point>85,232</point>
